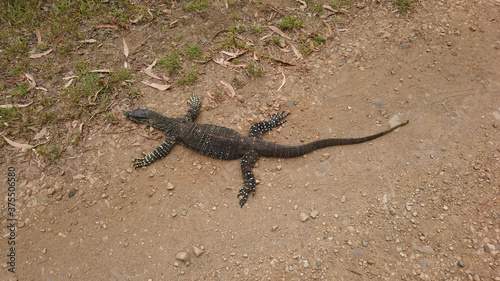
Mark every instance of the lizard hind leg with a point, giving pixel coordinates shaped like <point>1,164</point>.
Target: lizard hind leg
<point>276,120</point>
<point>247,163</point>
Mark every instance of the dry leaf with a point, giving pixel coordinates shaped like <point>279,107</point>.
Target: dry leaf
<point>88,41</point>
<point>233,55</point>
<point>328,7</point>
<point>101,71</point>
<point>125,48</point>
<point>278,31</point>
<point>12,105</point>
<point>39,55</point>
<point>266,36</point>
<point>107,26</point>
<point>330,31</point>
<point>42,88</point>
<point>161,87</point>
<point>283,61</point>
<point>18,145</point>
<point>148,70</point>
<point>297,52</point>
<point>40,134</point>
<point>231,89</point>
<point>284,80</point>
<point>68,83</point>
<point>303,5</point>
<point>136,20</point>
<point>38,37</point>
<point>69,77</point>
<point>58,40</point>
<point>31,81</point>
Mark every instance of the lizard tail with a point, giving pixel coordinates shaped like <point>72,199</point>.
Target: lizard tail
<point>283,151</point>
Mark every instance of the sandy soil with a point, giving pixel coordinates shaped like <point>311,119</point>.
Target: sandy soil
<point>421,203</point>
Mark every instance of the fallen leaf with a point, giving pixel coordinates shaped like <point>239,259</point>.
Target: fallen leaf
<point>40,134</point>
<point>68,83</point>
<point>31,81</point>
<point>69,77</point>
<point>328,7</point>
<point>12,105</point>
<point>18,145</point>
<point>278,31</point>
<point>266,36</point>
<point>125,48</point>
<point>88,41</point>
<point>283,61</point>
<point>101,71</point>
<point>39,55</point>
<point>233,55</point>
<point>328,26</point>
<point>136,20</point>
<point>58,40</point>
<point>161,87</point>
<point>296,52</point>
<point>230,88</point>
<point>303,5</point>
<point>42,88</point>
<point>38,37</point>
<point>107,26</point>
<point>284,80</point>
<point>148,71</point>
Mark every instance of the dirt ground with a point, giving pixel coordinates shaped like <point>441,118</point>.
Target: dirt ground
<point>422,203</point>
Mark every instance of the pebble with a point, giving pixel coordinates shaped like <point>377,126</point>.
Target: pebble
<point>303,217</point>
<point>197,251</point>
<point>170,186</point>
<point>182,256</point>
<point>460,263</point>
<point>275,227</point>
<point>184,212</point>
<point>314,214</point>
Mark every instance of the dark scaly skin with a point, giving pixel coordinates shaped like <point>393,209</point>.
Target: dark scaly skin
<point>225,143</point>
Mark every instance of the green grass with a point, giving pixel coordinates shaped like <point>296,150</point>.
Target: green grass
<point>190,78</point>
<point>170,62</point>
<point>256,28</point>
<point>192,52</point>
<point>254,70</point>
<point>340,4</point>
<point>290,23</point>
<point>7,116</point>
<point>318,40</point>
<point>51,152</point>
<point>404,6</point>
<point>197,5</point>
<point>317,8</point>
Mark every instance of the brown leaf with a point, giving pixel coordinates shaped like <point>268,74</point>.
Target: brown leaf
<point>88,41</point>
<point>39,55</point>
<point>328,7</point>
<point>278,31</point>
<point>148,71</point>
<point>12,105</point>
<point>107,26</point>
<point>18,145</point>
<point>101,71</point>
<point>125,48</point>
<point>31,81</point>
<point>38,37</point>
<point>296,52</point>
<point>283,61</point>
<point>136,20</point>
<point>161,87</point>
<point>229,87</point>
<point>58,40</point>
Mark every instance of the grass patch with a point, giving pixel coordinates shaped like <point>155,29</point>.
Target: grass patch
<point>318,40</point>
<point>50,152</point>
<point>192,52</point>
<point>317,8</point>
<point>190,78</point>
<point>197,5</point>
<point>170,62</point>
<point>340,4</point>
<point>7,116</point>
<point>256,28</point>
<point>254,70</point>
<point>290,23</point>
<point>404,6</point>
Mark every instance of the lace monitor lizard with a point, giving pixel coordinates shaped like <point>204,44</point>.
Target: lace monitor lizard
<point>225,143</point>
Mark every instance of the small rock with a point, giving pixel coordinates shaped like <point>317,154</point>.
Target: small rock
<point>275,227</point>
<point>306,263</point>
<point>460,263</point>
<point>197,251</point>
<point>44,250</point>
<point>486,249</point>
<point>303,217</point>
<point>184,212</point>
<point>314,214</point>
<point>182,256</point>
<point>170,186</point>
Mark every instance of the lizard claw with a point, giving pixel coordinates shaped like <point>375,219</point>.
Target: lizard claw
<point>140,162</point>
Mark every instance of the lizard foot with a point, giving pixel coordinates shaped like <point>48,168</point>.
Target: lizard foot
<point>141,162</point>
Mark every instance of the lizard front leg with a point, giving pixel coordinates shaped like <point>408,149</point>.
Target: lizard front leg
<point>247,162</point>
<point>194,109</point>
<point>160,152</point>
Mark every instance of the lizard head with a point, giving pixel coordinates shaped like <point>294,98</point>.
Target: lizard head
<point>145,116</point>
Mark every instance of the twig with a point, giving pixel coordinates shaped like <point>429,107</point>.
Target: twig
<point>284,79</point>
<point>487,204</point>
